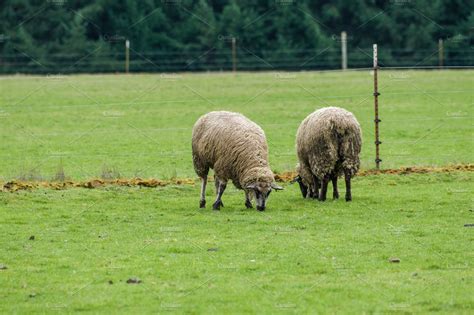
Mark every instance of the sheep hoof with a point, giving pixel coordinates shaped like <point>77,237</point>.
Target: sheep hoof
<point>217,205</point>
<point>348,198</point>
<point>248,204</point>
<point>202,204</point>
<point>335,196</point>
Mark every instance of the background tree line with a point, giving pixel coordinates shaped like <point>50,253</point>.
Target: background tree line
<point>61,36</point>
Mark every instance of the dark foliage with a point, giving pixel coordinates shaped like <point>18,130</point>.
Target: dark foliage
<point>63,36</point>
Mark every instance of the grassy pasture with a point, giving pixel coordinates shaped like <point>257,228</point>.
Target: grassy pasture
<point>140,125</point>
<point>300,256</point>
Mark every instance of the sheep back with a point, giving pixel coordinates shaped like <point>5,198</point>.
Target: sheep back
<point>328,141</point>
<point>232,145</point>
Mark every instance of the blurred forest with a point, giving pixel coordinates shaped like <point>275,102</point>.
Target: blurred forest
<point>64,36</point>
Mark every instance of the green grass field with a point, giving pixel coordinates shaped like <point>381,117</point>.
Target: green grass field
<point>140,125</point>
<point>298,256</point>
<point>74,250</point>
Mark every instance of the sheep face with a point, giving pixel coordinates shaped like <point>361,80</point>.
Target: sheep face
<point>303,187</point>
<point>261,191</point>
<point>306,181</point>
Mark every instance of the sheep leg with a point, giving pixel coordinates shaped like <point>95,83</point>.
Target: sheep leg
<point>315,188</point>
<point>248,203</point>
<point>217,183</point>
<point>335,192</point>
<point>202,202</point>
<point>347,176</point>
<point>324,188</point>
<point>220,190</point>
<point>309,192</point>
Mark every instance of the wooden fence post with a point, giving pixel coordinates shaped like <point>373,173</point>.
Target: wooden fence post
<point>127,55</point>
<point>234,55</point>
<point>440,53</point>
<point>344,50</point>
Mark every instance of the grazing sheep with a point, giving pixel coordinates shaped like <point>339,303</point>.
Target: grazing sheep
<point>328,143</point>
<point>236,148</point>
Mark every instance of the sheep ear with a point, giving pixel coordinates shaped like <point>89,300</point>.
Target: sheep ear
<point>276,187</point>
<point>296,179</point>
<point>251,186</point>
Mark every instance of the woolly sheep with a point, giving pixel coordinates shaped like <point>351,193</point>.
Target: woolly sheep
<point>236,148</point>
<point>328,143</point>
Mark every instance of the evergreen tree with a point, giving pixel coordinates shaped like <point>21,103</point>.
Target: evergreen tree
<point>89,35</point>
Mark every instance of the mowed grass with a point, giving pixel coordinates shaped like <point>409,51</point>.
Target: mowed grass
<point>140,125</point>
<point>300,256</point>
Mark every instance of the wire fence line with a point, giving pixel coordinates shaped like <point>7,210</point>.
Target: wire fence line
<point>246,59</point>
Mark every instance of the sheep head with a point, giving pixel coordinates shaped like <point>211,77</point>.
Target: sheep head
<point>303,187</point>
<point>260,190</point>
<point>305,180</point>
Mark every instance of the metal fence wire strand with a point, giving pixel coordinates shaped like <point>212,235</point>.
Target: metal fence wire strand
<point>233,58</point>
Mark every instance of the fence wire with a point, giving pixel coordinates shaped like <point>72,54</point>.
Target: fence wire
<point>247,59</point>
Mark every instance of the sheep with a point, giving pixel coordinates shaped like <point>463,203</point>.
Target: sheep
<point>236,148</point>
<point>328,144</point>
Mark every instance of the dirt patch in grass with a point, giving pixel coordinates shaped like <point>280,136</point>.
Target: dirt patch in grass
<point>288,176</point>
<point>16,185</point>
